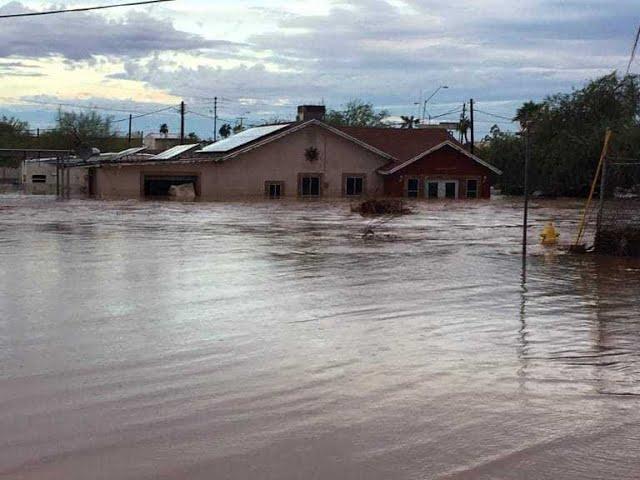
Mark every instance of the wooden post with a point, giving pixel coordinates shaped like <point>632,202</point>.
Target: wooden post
<point>583,221</point>
<point>215,119</point>
<point>181,123</point>
<point>130,119</point>
<point>472,126</point>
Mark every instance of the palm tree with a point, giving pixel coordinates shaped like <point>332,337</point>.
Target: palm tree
<point>225,130</point>
<point>527,113</point>
<point>463,127</point>
<point>164,130</point>
<point>408,122</point>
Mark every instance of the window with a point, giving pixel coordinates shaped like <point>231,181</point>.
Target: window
<point>354,185</point>
<point>432,189</point>
<point>273,189</point>
<point>310,185</point>
<point>412,187</point>
<point>472,189</point>
<point>38,179</point>
<point>450,190</point>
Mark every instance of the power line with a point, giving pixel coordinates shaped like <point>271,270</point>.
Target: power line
<point>633,51</point>
<point>75,105</point>
<point>204,115</point>
<point>145,114</point>
<point>84,9</point>
<point>455,110</point>
<point>494,115</point>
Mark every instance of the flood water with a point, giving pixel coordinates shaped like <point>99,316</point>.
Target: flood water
<point>150,340</point>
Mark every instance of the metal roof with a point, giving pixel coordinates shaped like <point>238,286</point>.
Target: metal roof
<point>242,138</point>
<point>174,152</point>
<point>127,152</point>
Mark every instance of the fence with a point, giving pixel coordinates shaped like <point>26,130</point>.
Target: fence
<point>618,217</point>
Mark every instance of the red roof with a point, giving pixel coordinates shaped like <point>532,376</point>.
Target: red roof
<point>401,143</point>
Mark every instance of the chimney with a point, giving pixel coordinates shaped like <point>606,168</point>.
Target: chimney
<point>311,112</point>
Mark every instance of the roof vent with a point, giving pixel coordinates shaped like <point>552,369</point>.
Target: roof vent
<point>311,112</point>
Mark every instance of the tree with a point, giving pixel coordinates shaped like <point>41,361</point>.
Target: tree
<point>357,114</point>
<point>164,130</point>
<point>238,127</point>
<point>225,130</point>
<point>463,128</point>
<point>527,113</point>
<point>566,132</point>
<point>84,125</point>
<point>409,122</point>
<point>193,137</point>
<point>14,133</point>
<point>11,126</point>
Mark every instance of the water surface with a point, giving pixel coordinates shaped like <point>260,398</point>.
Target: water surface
<point>151,340</point>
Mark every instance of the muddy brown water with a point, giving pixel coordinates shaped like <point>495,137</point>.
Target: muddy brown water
<point>150,340</point>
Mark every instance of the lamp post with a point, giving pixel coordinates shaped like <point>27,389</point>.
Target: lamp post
<point>424,105</point>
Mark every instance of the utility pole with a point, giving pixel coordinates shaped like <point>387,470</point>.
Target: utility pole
<point>182,122</point>
<point>472,126</point>
<point>130,119</point>
<point>462,117</point>
<point>215,119</point>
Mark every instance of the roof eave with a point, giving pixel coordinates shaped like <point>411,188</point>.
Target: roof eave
<point>449,143</point>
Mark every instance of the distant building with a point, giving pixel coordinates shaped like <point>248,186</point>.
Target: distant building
<point>73,175</point>
<point>40,177</point>
<point>158,142</point>
<point>309,158</point>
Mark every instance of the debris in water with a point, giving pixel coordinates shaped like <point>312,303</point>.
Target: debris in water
<point>387,206</point>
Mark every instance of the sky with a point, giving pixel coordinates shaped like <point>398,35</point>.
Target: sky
<point>262,58</point>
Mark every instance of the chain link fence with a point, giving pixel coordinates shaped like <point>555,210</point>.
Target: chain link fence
<point>618,212</point>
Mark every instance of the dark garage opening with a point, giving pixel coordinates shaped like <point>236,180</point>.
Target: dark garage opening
<point>158,185</point>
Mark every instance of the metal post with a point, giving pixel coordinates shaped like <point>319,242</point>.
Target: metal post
<point>525,221</point>
<point>181,123</point>
<point>58,176</point>
<point>215,119</point>
<point>603,186</point>
<point>66,168</point>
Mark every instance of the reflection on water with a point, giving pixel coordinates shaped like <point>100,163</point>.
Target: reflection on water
<point>273,341</point>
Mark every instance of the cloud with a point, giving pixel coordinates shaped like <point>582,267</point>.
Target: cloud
<point>383,51</point>
<point>486,48</point>
<point>84,35</point>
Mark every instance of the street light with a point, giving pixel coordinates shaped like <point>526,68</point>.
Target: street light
<point>424,105</point>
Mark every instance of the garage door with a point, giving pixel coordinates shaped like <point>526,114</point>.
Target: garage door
<point>158,185</point>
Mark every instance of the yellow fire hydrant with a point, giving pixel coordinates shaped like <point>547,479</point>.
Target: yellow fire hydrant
<point>549,235</point>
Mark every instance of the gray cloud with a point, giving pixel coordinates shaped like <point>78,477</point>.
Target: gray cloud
<point>81,36</point>
<point>387,53</point>
<point>490,49</point>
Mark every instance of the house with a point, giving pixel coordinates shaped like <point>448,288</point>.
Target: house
<point>309,158</point>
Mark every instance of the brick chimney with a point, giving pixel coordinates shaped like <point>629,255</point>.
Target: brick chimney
<point>311,112</point>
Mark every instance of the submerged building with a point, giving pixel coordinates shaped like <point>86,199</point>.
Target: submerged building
<point>305,159</point>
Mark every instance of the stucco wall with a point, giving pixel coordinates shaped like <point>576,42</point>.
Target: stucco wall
<point>446,163</point>
<point>77,178</point>
<point>245,175</point>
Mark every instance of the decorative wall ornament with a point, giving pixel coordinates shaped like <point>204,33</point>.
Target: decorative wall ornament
<point>311,154</point>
